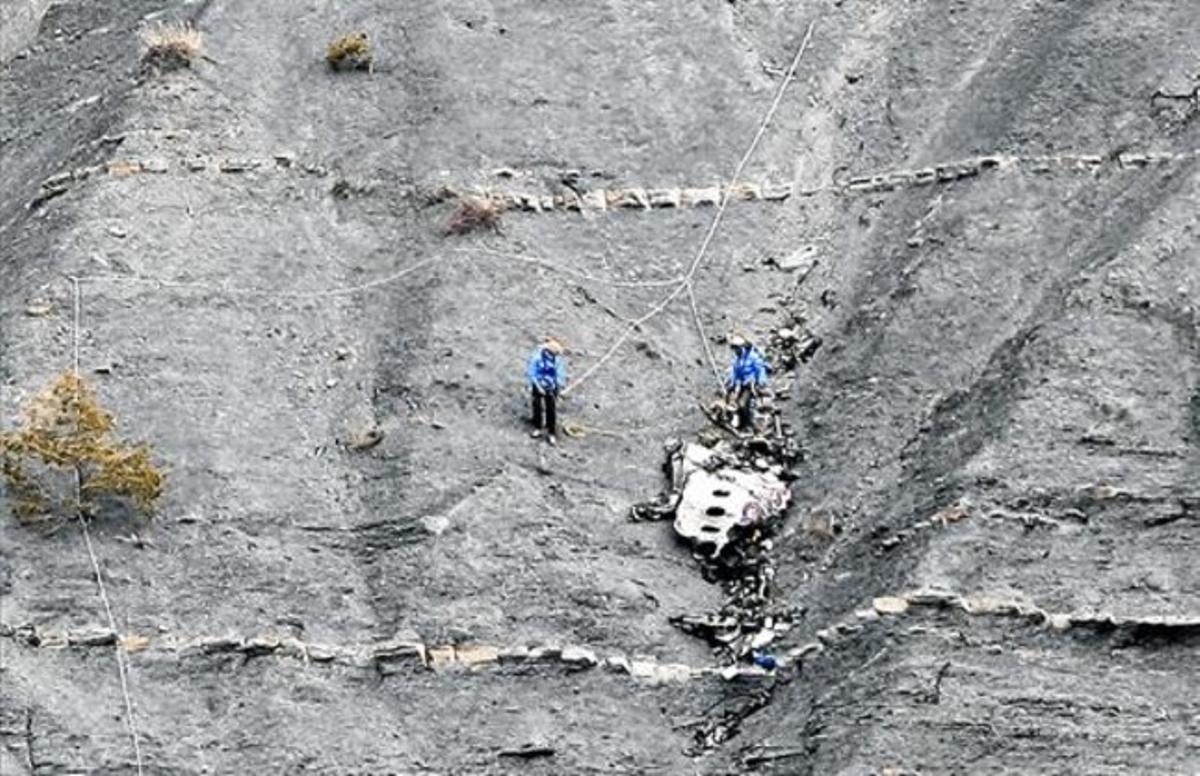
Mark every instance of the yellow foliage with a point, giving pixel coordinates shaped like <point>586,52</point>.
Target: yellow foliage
<point>67,430</point>
<point>350,52</point>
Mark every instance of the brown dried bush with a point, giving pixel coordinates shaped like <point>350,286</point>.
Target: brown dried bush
<point>67,434</point>
<point>475,214</point>
<point>820,525</point>
<point>171,46</point>
<point>350,52</point>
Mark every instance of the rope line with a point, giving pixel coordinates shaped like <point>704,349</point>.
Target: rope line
<point>547,264</point>
<point>259,292</point>
<point>685,283</point>
<point>680,285</point>
<point>77,305</point>
<point>762,128</point>
<point>378,282</point>
<point>87,539</point>
<point>708,351</point>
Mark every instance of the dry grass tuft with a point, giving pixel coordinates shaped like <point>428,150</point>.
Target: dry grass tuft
<point>134,643</point>
<point>820,525</point>
<point>475,214</point>
<point>350,52</point>
<point>67,434</point>
<point>171,45</point>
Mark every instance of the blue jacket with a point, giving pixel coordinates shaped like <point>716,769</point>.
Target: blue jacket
<point>546,370</point>
<point>749,368</point>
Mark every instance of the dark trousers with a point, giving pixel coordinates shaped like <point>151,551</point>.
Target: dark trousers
<point>545,407</point>
<point>743,399</point>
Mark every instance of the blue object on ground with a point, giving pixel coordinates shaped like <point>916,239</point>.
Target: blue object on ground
<point>764,660</point>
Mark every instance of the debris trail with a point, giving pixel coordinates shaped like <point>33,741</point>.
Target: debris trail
<point>727,496</point>
<point>685,284</point>
<point>87,539</point>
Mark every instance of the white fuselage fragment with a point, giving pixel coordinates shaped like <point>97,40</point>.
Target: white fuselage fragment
<point>715,501</point>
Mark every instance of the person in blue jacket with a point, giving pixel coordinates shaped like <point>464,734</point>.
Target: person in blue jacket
<point>547,375</point>
<point>747,377</point>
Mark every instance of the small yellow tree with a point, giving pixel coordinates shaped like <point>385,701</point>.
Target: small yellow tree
<point>68,434</point>
<point>350,52</point>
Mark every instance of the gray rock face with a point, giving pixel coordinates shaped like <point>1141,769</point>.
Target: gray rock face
<point>19,20</point>
<point>363,563</point>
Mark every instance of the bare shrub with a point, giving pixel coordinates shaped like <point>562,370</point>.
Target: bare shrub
<point>350,52</point>
<point>171,46</point>
<point>475,214</point>
<point>820,525</point>
<point>67,434</point>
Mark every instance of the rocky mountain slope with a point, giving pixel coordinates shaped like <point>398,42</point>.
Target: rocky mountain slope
<point>362,563</point>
